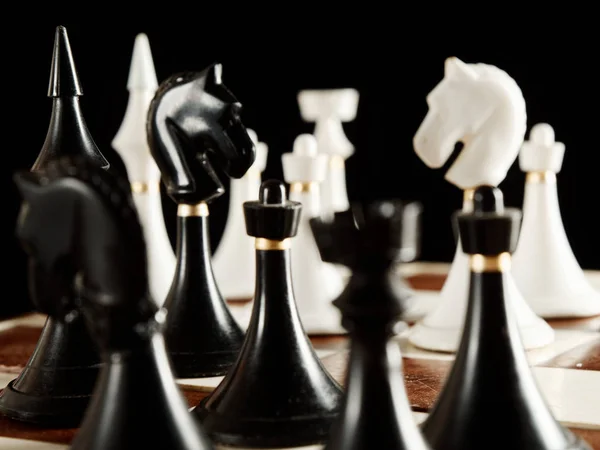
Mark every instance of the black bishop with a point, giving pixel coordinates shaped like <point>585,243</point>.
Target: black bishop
<point>56,384</point>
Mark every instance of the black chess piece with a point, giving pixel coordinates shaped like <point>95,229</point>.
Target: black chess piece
<point>491,394</point>
<point>194,122</point>
<point>278,394</point>
<point>376,412</point>
<point>79,226</point>
<point>56,384</point>
<point>67,133</point>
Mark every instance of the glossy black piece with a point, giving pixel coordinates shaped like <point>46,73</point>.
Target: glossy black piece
<point>193,123</point>
<point>81,231</point>
<point>67,133</point>
<point>490,397</point>
<point>376,412</point>
<point>55,386</point>
<point>278,394</point>
<point>202,336</point>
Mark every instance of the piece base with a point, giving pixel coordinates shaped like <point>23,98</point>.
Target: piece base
<point>536,335</point>
<point>202,365</point>
<point>267,433</point>
<point>50,412</point>
<point>565,307</point>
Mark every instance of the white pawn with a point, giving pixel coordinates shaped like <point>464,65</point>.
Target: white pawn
<point>483,107</point>
<point>328,108</point>
<point>316,283</point>
<point>131,144</point>
<point>544,266</point>
<point>234,259</point>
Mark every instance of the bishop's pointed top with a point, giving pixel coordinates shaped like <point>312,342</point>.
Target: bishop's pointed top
<point>142,75</point>
<point>63,74</point>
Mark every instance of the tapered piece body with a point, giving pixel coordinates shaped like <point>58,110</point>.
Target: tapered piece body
<point>57,382</point>
<point>376,412</point>
<point>191,117</point>
<point>491,370</point>
<point>233,260</point>
<point>544,266</point>
<point>278,394</point>
<point>492,132</point>
<point>81,231</point>
<point>131,144</point>
<point>202,336</point>
<point>316,282</point>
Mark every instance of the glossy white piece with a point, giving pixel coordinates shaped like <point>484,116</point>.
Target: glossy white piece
<point>329,108</point>
<point>316,283</point>
<point>564,341</point>
<point>234,259</point>
<point>544,266</point>
<point>132,146</point>
<point>481,106</point>
<point>484,108</point>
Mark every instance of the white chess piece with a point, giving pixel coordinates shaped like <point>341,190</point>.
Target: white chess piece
<point>484,108</point>
<point>234,259</point>
<point>131,144</point>
<point>329,108</point>
<point>544,266</point>
<point>316,283</point>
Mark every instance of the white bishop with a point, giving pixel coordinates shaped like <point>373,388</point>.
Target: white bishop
<point>544,266</point>
<point>131,144</point>
<point>316,283</point>
<point>234,259</point>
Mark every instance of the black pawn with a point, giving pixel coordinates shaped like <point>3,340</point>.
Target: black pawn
<point>491,395</point>
<point>278,394</point>
<point>376,412</point>
<point>55,386</point>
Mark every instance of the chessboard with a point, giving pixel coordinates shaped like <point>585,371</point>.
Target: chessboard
<point>567,371</point>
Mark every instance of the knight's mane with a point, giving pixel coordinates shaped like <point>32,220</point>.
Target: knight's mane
<point>174,80</point>
<point>515,92</point>
<point>115,194</point>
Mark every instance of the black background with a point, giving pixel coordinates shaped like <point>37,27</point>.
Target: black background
<point>393,66</point>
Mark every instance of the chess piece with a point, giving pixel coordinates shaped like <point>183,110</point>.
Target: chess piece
<point>81,231</point>
<point>316,283</point>
<point>67,133</point>
<point>328,108</point>
<point>544,266</point>
<point>491,370</point>
<point>371,307</point>
<point>56,384</point>
<point>194,122</point>
<point>131,144</point>
<point>278,394</point>
<point>492,132</point>
<point>233,260</point>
